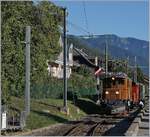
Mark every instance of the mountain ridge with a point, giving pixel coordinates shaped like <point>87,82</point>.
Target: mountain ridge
<point>115,35</point>
<point>118,47</point>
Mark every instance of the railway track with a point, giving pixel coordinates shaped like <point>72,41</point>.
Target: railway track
<point>98,125</point>
<point>84,128</point>
<point>92,125</point>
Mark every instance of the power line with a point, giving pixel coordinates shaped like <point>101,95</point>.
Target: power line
<point>81,29</point>
<point>78,27</point>
<point>86,20</point>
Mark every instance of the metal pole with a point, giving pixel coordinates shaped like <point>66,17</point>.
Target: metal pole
<point>0,93</point>
<point>64,62</point>
<point>101,97</point>
<point>106,58</point>
<point>106,61</point>
<point>97,79</point>
<point>0,78</point>
<point>127,62</point>
<point>135,71</point>
<point>27,67</point>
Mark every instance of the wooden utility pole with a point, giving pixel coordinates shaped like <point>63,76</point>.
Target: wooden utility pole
<point>27,71</point>
<point>65,62</point>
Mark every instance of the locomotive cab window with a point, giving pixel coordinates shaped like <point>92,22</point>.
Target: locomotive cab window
<point>121,81</point>
<point>114,83</point>
<point>107,83</point>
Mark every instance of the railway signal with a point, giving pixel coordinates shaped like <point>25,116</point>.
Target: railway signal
<point>98,71</point>
<point>99,83</point>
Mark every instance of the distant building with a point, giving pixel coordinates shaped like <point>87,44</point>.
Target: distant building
<point>55,68</point>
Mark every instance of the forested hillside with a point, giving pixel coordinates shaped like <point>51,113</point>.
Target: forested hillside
<point>44,42</point>
<point>45,20</point>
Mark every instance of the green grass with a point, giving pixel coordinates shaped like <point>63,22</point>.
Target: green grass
<point>47,111</point>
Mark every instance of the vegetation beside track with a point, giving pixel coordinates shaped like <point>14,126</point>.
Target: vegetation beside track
<point>47,111</point>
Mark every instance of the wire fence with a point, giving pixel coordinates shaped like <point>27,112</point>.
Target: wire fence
<point>55,90</point>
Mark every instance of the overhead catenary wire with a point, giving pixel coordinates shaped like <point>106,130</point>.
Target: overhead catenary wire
<point>86,20</point>
<point>81,29</point>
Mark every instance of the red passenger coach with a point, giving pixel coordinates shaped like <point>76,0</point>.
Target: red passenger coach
<point>135,92</point>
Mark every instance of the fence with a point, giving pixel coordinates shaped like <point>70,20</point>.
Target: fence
<point>55,90</point>
<point>13,120</point>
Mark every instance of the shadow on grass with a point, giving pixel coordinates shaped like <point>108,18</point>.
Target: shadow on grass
<point>89,107</point>
<point>51,116</point>
<point>15,109</point>
<point>53,106</point>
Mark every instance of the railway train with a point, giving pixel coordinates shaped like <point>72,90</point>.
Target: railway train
<point>118,88</point>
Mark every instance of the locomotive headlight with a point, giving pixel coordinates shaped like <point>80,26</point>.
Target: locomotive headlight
<point>113,78</point>
<point>117,92</point>
<point>106,92</point>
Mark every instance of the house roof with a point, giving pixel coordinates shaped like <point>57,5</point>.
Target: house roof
<point>52,63</point>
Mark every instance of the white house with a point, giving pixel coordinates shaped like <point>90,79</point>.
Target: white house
<point>55,68</point>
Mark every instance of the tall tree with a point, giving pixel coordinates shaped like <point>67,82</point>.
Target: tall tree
<point>16,15</point>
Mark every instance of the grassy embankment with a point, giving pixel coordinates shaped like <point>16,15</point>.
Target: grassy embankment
<point>47,111</point>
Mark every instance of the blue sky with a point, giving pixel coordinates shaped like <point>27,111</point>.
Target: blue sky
<point>125,19</point>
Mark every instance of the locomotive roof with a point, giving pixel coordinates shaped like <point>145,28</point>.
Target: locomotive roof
<point>114,74</point>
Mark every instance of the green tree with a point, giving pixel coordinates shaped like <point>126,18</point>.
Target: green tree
<point>16,15</point>
<point>140,75</point>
